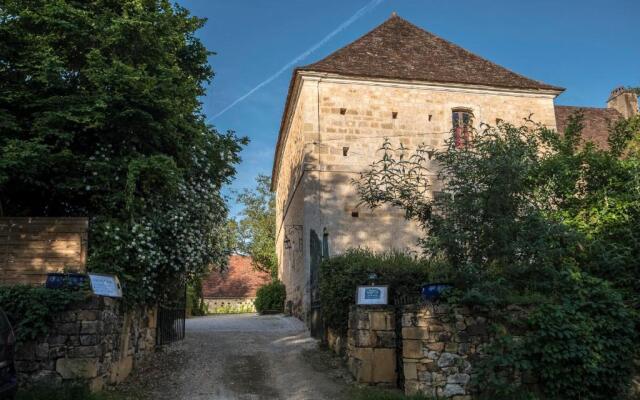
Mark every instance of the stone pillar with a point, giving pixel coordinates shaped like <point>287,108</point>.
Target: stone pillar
<point>371,345</point>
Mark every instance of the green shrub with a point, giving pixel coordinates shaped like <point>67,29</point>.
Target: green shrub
<point>270,297</point>
<point>340,276</point>
<point>579,345</point>
<point>31,309</point>
<point>196,306</point>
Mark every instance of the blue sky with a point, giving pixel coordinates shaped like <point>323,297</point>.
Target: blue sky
<point>587,46</point>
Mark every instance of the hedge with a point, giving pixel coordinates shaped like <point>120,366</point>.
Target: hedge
<point>340,276</point>
<point>270,297</point>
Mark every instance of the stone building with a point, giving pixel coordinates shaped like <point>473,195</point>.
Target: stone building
<point>398,82</point>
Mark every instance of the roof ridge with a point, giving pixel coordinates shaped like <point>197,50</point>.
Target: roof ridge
<point>427,62</point>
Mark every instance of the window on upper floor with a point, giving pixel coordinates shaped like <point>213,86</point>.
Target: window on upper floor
<point>462,120</point>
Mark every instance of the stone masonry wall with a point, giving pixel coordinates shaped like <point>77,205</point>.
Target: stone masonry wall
<point>355,117</point>
<point>337,125</point>
<point>439,348</point>
<point>96,343</point>
<point>371,345</point>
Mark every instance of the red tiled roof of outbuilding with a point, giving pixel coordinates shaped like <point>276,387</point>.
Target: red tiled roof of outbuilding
<point>596,122</point>
<point>240,280</point>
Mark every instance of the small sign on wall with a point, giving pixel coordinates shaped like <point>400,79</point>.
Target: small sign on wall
<point>105,285</point>
<point>368,295</point>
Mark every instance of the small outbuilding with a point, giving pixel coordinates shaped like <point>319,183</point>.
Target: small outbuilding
<point>234,289</point>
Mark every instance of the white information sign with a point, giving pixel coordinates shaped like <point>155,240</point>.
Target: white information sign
<point>372,295</point>
<point>105,285</point>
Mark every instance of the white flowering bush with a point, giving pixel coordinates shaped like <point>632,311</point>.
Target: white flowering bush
<point>173,228</point>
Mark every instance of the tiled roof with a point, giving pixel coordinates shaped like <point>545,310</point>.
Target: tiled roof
<point>239,280</point>
<point>397,49</point>
<point>596,122</point>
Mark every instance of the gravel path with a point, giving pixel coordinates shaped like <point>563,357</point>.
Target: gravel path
<point>241,357</point>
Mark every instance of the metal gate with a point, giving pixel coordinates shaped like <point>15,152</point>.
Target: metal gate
<point>170,325</point>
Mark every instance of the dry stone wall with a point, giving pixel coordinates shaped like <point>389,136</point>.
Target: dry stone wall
<point>96,343</point>
<point>439,347</point>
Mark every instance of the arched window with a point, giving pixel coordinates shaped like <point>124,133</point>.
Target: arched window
<point>462,119</point>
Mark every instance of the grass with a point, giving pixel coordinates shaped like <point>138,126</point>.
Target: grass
<point>380,394</point>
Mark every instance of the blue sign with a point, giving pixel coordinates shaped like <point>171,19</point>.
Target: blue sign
<point>372,295</point>
<point>105,285</point>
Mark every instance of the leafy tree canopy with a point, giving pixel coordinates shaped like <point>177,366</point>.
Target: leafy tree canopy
<point>100,117</point>
<point>257,225</point>
<point>529,215</point>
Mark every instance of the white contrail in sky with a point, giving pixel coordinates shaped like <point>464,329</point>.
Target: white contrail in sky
<point>370,6</point>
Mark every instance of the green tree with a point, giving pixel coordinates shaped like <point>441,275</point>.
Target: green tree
<point>487,220</point>
<point>257,225</point>
<point>100,117</point>
<point>596,192</point>
<point>531,215</point>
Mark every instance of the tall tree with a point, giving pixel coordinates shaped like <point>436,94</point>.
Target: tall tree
<point>100,116</point>
<point>257,225</point>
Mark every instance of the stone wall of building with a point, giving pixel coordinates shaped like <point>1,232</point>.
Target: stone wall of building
<point>334,131</point>
<point>96,343</point>
<point>371,345</point>
<point>292,191</point>
<point>356,116</point>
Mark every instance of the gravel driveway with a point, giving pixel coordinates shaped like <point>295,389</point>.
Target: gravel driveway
<point>242,356</point>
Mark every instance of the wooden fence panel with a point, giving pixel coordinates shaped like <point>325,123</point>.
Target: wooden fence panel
<point>32,247</point>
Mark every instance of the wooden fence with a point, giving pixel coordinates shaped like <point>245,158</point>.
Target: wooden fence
<point>32,247</point>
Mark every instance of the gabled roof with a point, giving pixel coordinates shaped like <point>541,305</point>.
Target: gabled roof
<point>596,122</point>
<point>397,49</point>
